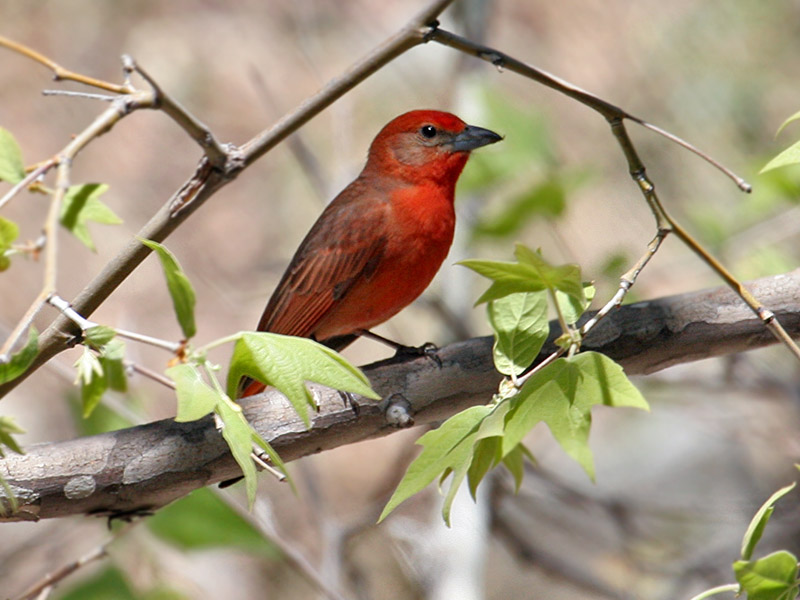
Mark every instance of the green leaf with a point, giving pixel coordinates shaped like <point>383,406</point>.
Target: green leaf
<point>9,232</point>
<point>12,169</point>
<point>530,274</point>
<point>507,278</point>
<point>773,577</point>
<point>111,358</point>
<point>562,395</point>
<point>81,206</point>
<point>790,156</point>
<point>196,398</point>
<point>18,363</point>
<point>92,392</point>
<point>566,278</point>
<point>9,428</point>
<point>287,363</point>
<point>572,308</point>
<point>794,117</point>
<point>520,329</point>
<point>238,433</point>
<point>221,526</point>
<point>109,583</point>
<point>443,448</point>
<point>179,286</point>
<point>515,463</point>
<point>485,456</point>
<point>759,521</point>
<point>99,335</point>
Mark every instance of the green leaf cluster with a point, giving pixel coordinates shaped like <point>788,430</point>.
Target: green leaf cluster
<point>82,205</point>
<point>561,394</point>
<point>100,367</point>
<point>772,577</point>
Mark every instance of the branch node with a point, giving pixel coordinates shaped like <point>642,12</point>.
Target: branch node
<point>398,411</point>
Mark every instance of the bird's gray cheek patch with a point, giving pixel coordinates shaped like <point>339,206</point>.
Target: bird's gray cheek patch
<point>413,154</point>
<point>80,487</point>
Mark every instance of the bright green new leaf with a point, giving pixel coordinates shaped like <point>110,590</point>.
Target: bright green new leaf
<point>87,367</point>
<point>196,398</point>
<point>486,454</point>
<point>520,329</point>
<point>287,363</point>
<point>460,459</point>
<point>12,169</point>
<point>222,526</point>
<point>773,577</point>
<point>566,278</point>
<point>238,433</point>
<point>9,232</point>
<point>179,286</point>
<point>19,362</point>
<point>99,335</point>
<point>794,117</point>
<point>443,448</point>
<point>530,274</point>
<point>81,205</point>
<point>515,463</point>
<point>92,379</point>
<point>111,358</point>
<point>562,395</point>
<point>759,521</point>
<point>507,278</point>
<point>790,156</point>
<point>572,308</point>
<point>9,428</point>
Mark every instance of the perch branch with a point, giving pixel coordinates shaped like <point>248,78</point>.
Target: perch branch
<point>142,468</point>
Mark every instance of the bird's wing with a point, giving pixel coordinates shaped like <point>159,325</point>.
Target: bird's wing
<point>344,246</point>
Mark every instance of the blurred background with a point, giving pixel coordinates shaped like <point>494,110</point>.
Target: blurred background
<point>675,488</point>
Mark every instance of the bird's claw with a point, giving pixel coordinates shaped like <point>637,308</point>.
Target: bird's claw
<point>428,349</point>
<point>349,398</point>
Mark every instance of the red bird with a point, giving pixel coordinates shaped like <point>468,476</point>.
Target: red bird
<point>378,245</point>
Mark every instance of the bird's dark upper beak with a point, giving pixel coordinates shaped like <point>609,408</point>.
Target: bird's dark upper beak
<point>474,137</point>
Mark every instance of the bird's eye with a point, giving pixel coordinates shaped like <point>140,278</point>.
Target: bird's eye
<point>428,131</point>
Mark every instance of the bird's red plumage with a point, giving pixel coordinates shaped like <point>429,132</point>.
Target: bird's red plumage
<point>379,243</point>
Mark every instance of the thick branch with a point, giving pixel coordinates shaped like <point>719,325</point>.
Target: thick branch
<point>143,468</point>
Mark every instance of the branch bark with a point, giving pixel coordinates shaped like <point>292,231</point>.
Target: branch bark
<point>142,468</point>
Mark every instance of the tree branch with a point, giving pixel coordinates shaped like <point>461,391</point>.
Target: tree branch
<point>140,469</point>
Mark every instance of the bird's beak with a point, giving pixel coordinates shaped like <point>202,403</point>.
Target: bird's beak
<point>474,137</point>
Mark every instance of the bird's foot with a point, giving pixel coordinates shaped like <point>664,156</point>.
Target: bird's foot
<point>350,399</point>
<point>428,349</point>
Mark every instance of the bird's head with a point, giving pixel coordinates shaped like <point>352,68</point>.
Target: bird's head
<point>426,144</point>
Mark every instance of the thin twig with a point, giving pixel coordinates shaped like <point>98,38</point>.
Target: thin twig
<point>59,72</point>
<point>149,373</point>
<point>216,153</point>
<point>615,117</point>
<point>609,111</point>
<point>73,94</point>
<point>56,577</point>
<point>40,170</point>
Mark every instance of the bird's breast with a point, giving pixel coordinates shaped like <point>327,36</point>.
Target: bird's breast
<point>418,232</point>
